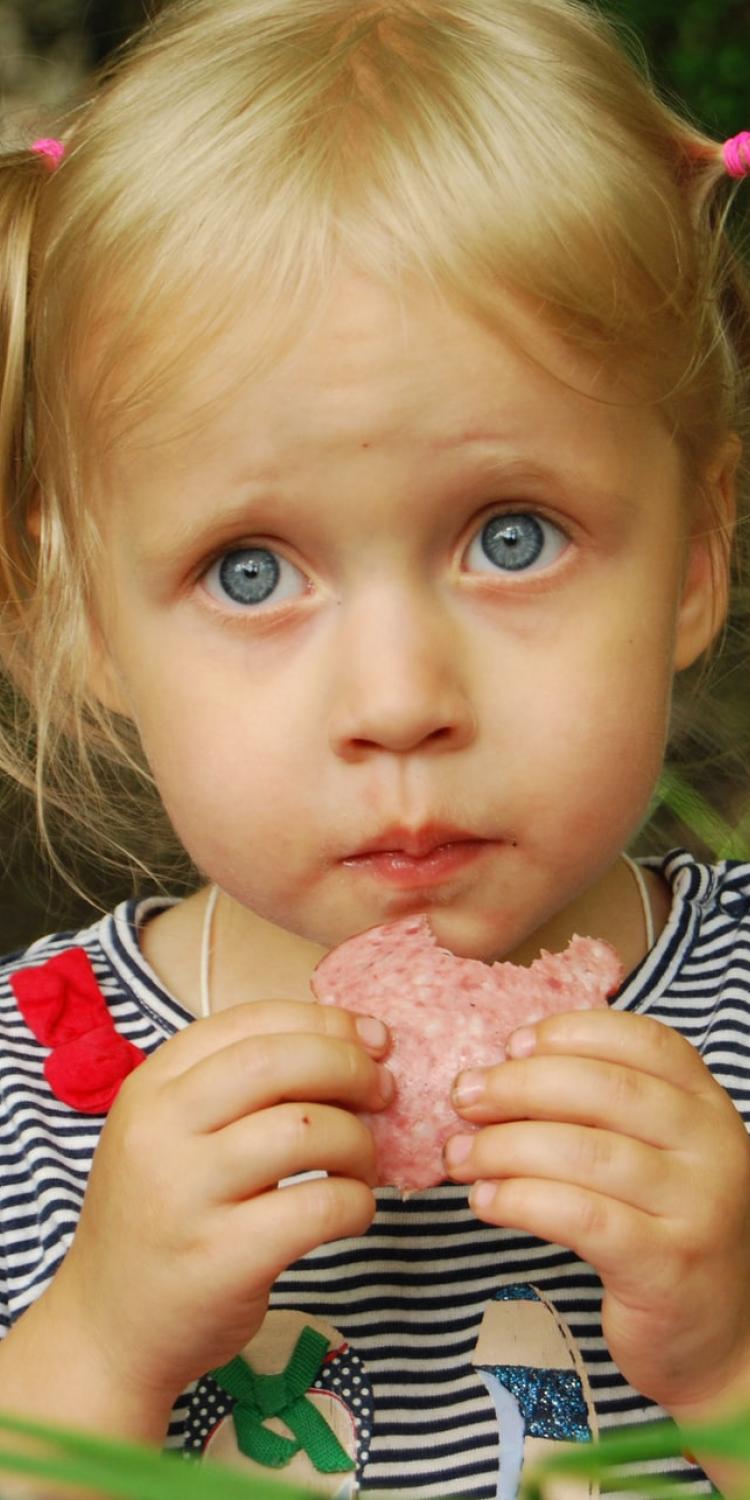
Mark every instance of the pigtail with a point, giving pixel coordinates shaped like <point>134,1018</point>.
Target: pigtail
<point>735,303</point>
<point>708,740</point>
<point>723,180</point>
<point>717,176</point>
<point>23,177</point>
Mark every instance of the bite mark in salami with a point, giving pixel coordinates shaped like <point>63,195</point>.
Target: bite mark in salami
<point>447,1013</point>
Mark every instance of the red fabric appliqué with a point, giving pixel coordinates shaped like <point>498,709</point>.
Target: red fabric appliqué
<point>63,1005</point>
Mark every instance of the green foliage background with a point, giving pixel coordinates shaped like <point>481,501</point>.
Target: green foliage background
<point>700,50</point>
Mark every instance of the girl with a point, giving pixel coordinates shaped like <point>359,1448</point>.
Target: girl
<point>371,431</point>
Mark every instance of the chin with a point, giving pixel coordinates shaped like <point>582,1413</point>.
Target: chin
<point>471,935</point>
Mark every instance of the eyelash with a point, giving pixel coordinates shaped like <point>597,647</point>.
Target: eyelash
<point>499,523</point>
<point>280,566</point>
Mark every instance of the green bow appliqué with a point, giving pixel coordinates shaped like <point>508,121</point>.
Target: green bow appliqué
<point>258,1397</point>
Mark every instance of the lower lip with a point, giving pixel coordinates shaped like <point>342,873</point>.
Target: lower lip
<point>409,872</point>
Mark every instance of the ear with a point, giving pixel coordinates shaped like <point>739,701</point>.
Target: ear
<point>706,578</point>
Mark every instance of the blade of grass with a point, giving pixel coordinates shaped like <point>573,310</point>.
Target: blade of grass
<point>640,1484</point>
<point>703,820</point>
<point>102,1478</point>
<point>730,1439</point>
<point>131,1471</point>
<point>742,832</point>
<point>610,1480</point>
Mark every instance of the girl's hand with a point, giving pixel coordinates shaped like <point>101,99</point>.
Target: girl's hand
<point>183,1228</point>
<point>614,1139</point>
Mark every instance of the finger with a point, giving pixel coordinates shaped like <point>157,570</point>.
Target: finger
<point>600,1160</point>
<point>255,1153</point>
<point>581,1091</point>
<point>259,1018</point>
<point>287,1223</point>
<point>260,1071</point>
<point>619,1241</point>
<point>620,1037</point>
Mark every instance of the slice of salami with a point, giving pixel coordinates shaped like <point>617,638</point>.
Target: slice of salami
<point>445,1014</point>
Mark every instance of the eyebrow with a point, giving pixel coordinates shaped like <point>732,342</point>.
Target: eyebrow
<point>206,530</point>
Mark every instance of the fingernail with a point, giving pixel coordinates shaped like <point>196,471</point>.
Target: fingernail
<point>457,1149</point>
<point>481,1195</point>
<point>469,1087</point>
<point>373,1033</point>
<point>386,1084</point>
<point>522,1042</point>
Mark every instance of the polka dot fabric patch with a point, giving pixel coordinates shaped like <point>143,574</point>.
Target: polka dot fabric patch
<point>342,1378</point>
<point>343,1375</point>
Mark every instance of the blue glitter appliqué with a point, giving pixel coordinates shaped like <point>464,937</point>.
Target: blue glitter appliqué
<point>551,1402</point>
<point>517,1293</point>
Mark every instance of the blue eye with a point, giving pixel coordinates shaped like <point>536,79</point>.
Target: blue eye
<point>250,576</point>
<point>516,543</point>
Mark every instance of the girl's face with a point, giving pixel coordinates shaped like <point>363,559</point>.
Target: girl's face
<point>398,623</point>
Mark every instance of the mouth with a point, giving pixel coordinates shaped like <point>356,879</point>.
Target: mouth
<point>416,843</point>
<point>411,858</point>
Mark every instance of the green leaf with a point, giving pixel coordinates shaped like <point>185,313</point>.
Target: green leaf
<point>659,1440</point>
<point>701,818</point>
<point>130,1470</point>
<point>136,1472</point>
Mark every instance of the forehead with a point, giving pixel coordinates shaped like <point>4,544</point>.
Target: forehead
<point>374,368</point>
<point>383,396</point>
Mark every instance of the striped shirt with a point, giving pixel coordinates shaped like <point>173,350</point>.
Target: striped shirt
<point>436,1354</point>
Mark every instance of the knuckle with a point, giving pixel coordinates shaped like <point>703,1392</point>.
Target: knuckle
<point>715,1215</point>
<point>251,1019</point>
<point>662,1040</point>
<point>595,1154</point>
<point>594,1217</point>
<point>258,1058</point>
<point>334,1021</point>
<point>355,1064</point>
<point>331,1207</point>
<point>685,1253</point>
<point>627,1088</point>
<point>359,1076</point>
<point>366,1146</point>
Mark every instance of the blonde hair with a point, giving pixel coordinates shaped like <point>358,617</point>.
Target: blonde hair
<point>246,148</point>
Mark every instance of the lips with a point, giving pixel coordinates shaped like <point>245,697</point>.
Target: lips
<point>417,859</point>
<point>415,843</point>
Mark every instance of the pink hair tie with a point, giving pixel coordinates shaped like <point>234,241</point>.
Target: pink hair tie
<point>52,151</point>
<point>736,154</point>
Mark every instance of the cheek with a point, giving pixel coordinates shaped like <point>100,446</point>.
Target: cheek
<point>236,818</point>
<point>594,690</point>
<point>229,770</point>
<point>596,720</point>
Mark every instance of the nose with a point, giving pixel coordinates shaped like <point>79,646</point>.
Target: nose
<point>401,679</point>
